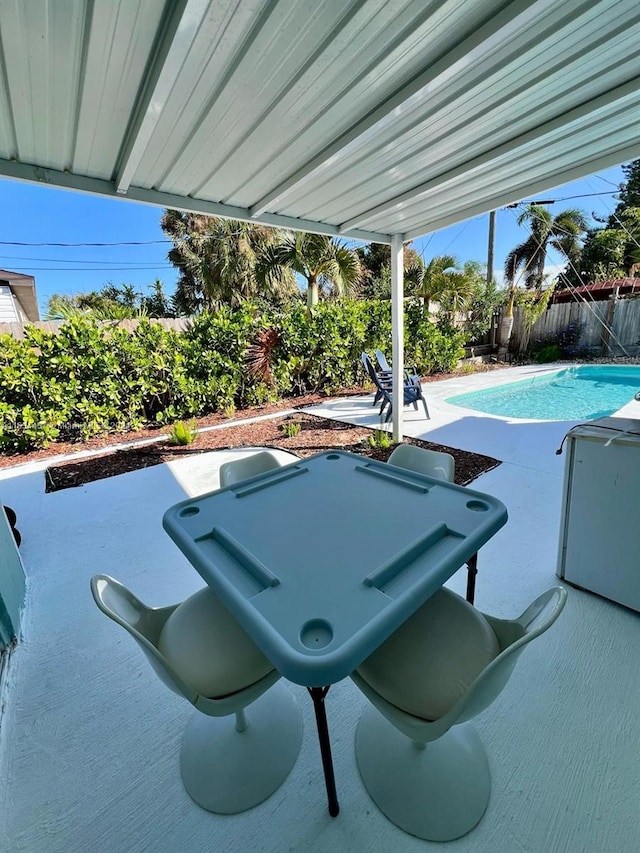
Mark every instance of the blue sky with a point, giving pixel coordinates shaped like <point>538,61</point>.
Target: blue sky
<point>33,213</point>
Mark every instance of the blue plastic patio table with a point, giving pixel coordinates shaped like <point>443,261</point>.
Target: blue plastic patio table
<point>321,560</point>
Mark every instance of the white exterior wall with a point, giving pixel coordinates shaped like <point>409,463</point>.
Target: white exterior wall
<point>10,310</point>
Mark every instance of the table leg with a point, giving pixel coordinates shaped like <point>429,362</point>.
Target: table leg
<point>472,567</point>
<point>318,694</point>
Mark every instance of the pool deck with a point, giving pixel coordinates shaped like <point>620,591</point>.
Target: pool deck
<point>89,736</point>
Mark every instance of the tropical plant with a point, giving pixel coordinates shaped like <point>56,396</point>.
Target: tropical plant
<point>561,232</point>
<point>217,261</point>
<point>290,428</point>
<point>461,287</point>
<point>426,282</point>
<point>432,348</point>
<point>92,378</point>
<point>260,354</point>
<point>630,221</point>
<point>375,268</point>
<point>323,262</point>
<point>101,305</point>
<point>612,251</point>
<point>602,258</point>
<point>484,303</point>
<point>182,433</point>
<point>444,281</point>
<point>629,191</point>
<point>548,353</point>
<point>158,304</point>
<point>532,304</point>
<point>112,302</point>
<point>380,439</point>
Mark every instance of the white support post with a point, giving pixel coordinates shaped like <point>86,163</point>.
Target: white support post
<point>397,325</point>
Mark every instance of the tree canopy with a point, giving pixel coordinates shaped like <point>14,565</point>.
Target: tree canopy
<point>217,261</point>
<point>561,232</point>
<point>629,191</point>
<point>612,251</point>
<point>326,264</point>
<point>375,268</point>
<point>112,302</point>
<point>443,280</point>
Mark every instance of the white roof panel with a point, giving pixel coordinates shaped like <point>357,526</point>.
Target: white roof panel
<point>358,117</point>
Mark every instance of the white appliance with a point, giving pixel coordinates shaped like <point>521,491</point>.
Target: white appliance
<point>599,547</point>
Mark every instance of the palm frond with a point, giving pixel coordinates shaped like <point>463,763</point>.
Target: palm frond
<point>259,354</point>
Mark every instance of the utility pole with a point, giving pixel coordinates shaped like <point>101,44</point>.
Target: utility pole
<point>492,232</point>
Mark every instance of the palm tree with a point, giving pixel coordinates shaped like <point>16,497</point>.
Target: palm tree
<point>561,232</point>
<point>444,281</point>
<point>217,259</point>
<point>322,261</point>
<point>110,303</point>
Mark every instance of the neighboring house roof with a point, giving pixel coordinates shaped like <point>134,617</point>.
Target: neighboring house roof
<point>598,291</point>
<point>23,288</point>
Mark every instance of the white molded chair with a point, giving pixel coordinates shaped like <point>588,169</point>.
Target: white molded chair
<point>434,463</point>
<point>430,462</point>
<point>242,469</point>
<point>200,652</point>
<point>422,763</point>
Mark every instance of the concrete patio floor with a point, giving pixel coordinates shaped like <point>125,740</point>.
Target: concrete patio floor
<point>89,737</point>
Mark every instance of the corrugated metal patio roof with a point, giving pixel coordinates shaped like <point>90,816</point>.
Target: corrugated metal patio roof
<point>365,118</point>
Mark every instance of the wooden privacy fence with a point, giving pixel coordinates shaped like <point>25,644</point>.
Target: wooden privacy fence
<point>16,330</point>
<point>585,326</point>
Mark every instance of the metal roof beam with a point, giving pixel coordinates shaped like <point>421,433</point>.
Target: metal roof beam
<point>618,94</point>
<point>403,100</point>
<point>178,37</point>
<point>97,186</point>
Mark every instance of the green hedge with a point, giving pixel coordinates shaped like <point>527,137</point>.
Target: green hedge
<point>91,379</point>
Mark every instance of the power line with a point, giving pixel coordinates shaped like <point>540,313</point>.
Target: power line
<point>69,260</point>
<point>175,242</point>
<point>148,268</point>
<point>584,195</point>
<point>554,200</point>
<point>66,245</point>
<point>607,181</point>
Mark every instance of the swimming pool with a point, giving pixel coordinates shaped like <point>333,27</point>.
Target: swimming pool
<point>576,393</point>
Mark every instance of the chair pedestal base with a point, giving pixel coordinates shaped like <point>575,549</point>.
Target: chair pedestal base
<point>437,793</point>
<point>226,771</point>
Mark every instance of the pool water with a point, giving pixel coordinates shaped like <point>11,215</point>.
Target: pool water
<point>577,393</point>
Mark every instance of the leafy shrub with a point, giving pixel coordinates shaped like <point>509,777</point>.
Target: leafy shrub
<point>569,340</point>
<point>432,348</point>
<point>551,352</point>
<point>564,345</point>
<point>94,378</point>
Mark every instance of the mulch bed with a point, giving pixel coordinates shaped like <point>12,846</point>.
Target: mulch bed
<point>316,435</point>
<point>109,439</point>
